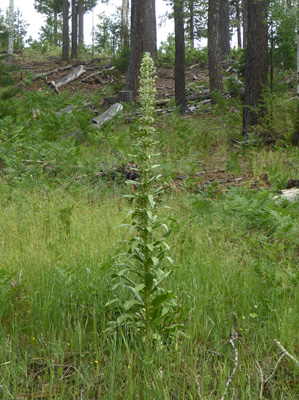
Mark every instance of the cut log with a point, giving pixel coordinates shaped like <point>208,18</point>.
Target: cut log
<point>107,115</point>
<point>68,78</point>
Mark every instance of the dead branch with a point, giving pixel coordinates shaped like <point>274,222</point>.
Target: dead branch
<point>87,78</point>
<point>234,337</point>
<point>53,71</point>
<point>258,365</point>
<point>16,283</point>
<point>94,60</point>
<point>285,352</point>
<point>276,365</point>
<point>198,386</point>
<point>213,171</point>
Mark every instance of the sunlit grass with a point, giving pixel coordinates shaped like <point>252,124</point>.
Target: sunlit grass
<point>53,338</point>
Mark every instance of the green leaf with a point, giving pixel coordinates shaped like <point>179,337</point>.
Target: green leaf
<point>155,261</point>
<point>138,255</point>
<point>150,215</point>
<point>139,287</point>
<point>149,279</point>
<point>131,303</point>
<point>170,260</point>
<point>134,293</point>
<point>161,278</point>
<point>118,284</point>
<point>124,317</point>
<point>150,246</point>
<point>161,298</point>
<point>166,234</point>
<point>111,302</point>
<point>151,200</point>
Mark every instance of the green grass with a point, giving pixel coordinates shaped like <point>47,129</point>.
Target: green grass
<point>235,271</point>
<point>235,249</point>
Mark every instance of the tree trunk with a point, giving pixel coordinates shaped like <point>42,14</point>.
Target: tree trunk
<point>245,22</point>
<point>55,37</point>
<point>295,136</point>
<point>74,53</point>
<point>224,28</point>
<point>10,30</point>
<point>238,17</point>
<point>215,76</point>
<point>191,22</point>
<point>150,29</point>
<point>137,18</point>
<point>124,35</point>
<point>80,10</point>
<point>179,66</point>
<point>256,67</point>
<point>65,31</point>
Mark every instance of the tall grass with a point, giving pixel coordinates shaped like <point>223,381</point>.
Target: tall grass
<point>236,273</point>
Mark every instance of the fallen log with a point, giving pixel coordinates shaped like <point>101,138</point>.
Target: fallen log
<point>68,78</point>
<point>43,74</point>
<point>292,195</point>
<point>107,115</point>
<point>87,78</point>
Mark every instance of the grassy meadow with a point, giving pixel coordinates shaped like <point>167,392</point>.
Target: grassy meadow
<point>235,251</point>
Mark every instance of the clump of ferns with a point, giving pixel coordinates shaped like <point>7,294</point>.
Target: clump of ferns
<point>144,267</point>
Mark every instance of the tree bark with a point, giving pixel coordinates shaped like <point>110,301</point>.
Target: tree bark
<point>238,17</point>
<point>191,22</point>
<point>295,135</point>
<point>179,64</point>
<point>74,53</point>
<point>256,67</point>
<point>10,30</point>
<point>214,56</point>
<point>137,18</point>
<point>65,31</point>
<point>55,36</point>
<point>245,22</point>
<point>124,35</point>
<point>150,29</point>
<point>224,28</point>
<point>80,10</point>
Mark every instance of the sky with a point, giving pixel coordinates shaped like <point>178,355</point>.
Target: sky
<point>36,20</point>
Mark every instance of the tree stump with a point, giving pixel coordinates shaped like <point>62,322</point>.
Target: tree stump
<point>126,96</point>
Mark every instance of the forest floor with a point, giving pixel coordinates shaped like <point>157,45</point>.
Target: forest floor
<point>102,78</point>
